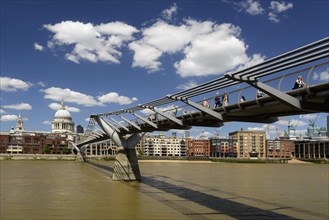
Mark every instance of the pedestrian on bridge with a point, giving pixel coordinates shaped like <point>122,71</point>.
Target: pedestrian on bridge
<point>225,99</point>
<point>299,83</point>
<point>217,100</point>
<point>205,103</point>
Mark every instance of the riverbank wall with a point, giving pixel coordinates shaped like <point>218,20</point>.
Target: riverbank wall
<point>37,157</point>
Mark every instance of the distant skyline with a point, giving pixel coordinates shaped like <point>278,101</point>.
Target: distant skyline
<point>102,56</point>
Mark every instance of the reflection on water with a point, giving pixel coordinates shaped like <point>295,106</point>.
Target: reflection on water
<point>68,190</point>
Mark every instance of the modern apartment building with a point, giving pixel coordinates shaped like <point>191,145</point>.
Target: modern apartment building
<point>198,147</point>
<point>250,144</point>
<point>160,145</point>
<point>223,148</point>
<point>280,148</point>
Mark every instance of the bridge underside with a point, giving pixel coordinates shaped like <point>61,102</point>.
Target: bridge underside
<point>264,110</point>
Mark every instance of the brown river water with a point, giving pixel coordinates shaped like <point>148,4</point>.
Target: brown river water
<point>39,190</point>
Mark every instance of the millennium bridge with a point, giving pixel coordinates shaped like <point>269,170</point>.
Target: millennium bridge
<point>182,110</point>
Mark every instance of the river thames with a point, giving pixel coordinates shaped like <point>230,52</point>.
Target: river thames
<point>168,190</point>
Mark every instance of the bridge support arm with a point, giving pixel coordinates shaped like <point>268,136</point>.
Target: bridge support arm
<point>198,106</point>
<point>174,119</point>
<point>144,120</point>
<point>130,122</point>
<point>289,100</point>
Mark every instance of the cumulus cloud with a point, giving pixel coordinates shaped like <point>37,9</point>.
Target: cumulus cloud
<point>250,6</point>
<point>8,84</point>
<point>188,85</point>
<point>253,60</point>
<point>310,116</point>
<point>20,106</point>
<point>147,111</point>
<point>56,106</point>
<point>145,56</point>
<point>57,94</point>
<point>279,7</point>
<point>322,76</point>
<point>93,43</point>
<point>273,17</point>
<point>42,84</point>
<point>114,97</point>
<point>292,122</point>
<point>8,117</point>
<point>170,12</point>
<point>276,8</point>
<point>38,46</point>
<point>208,48</point>
<point>213,53</point>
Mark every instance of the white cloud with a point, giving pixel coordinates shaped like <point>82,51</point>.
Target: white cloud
<point>42,84</point>
<point>8,117</point>
<point>57,94</point>
<point>2,111</point>
<point>56,106</point>
<point>251,7</point>
<point>38,46</point>
<point>322,76</point>
<point>188,85</point>
<point>170,12</point>
<point>213,53</point>
<point>253,60</point>
<point>114,97</point>
<point>145,56</point>
<point>147,111</point>
<point>292,122</point>
<point>209,48</point>
<point>256,129</point>
<point>20,106</point>
<point>310,116</point>
<point>273,17</point>
<point>47,122</point>
<point>279,7</point>
<point>8,84</point>
<point>167,38</point>
<point>91,42</point>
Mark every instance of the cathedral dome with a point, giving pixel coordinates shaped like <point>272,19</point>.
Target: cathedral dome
<point>62,114</point>
<point>62,121</point>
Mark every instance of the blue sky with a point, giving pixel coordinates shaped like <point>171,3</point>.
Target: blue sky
<point>102,56</point>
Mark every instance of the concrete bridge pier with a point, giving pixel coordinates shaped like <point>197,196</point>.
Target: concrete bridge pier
<point>80,157</point>
<point>80,154</point>
<point>126,166</point>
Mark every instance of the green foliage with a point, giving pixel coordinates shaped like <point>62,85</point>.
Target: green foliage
<point>66,150</point>
<point>46,149</point>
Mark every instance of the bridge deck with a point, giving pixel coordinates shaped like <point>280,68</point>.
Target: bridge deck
<point>262,110</point>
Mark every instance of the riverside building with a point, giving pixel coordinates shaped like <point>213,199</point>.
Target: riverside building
<point>162,146</point>
<point>20,141</point>
<point>250,144</point>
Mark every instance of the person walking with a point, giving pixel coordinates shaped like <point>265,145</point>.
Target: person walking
<point>217,100</point>
<point>225,99</point>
